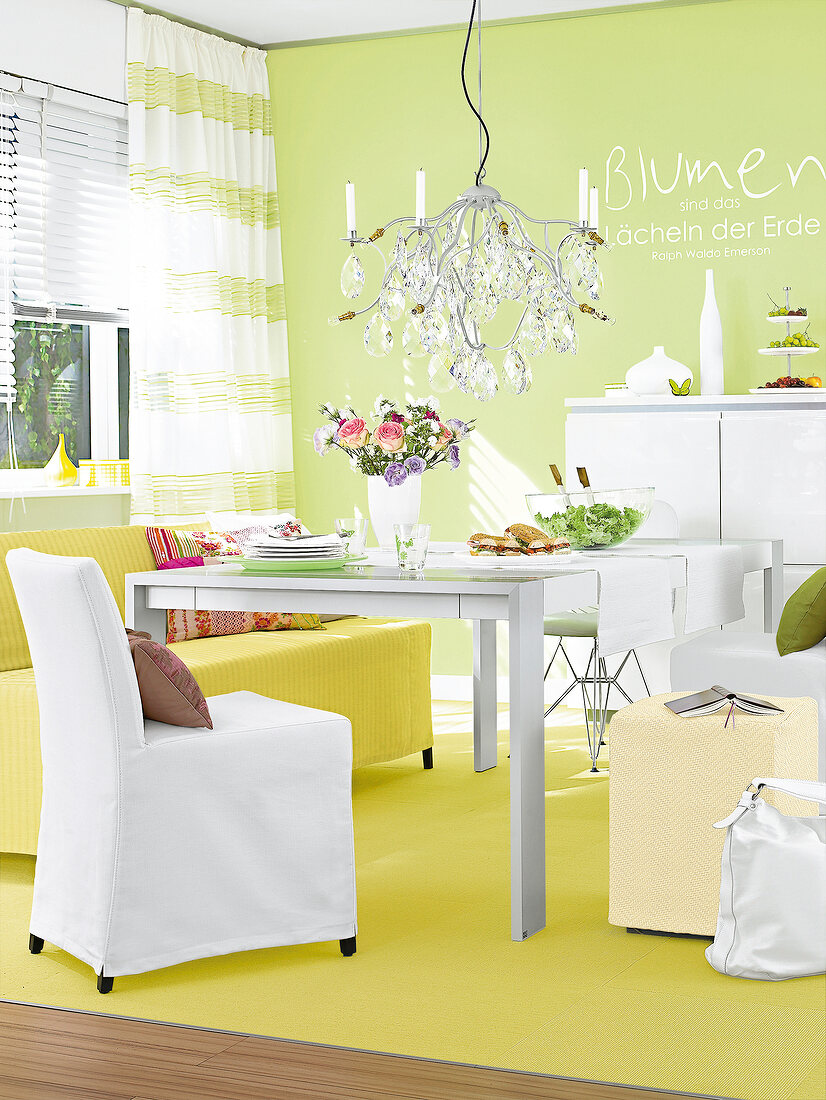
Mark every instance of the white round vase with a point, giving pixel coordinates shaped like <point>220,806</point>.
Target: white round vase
<point>390,504</point>
<point>652,374</point>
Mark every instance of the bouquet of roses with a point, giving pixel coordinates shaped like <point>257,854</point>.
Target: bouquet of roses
<point>401,445</point>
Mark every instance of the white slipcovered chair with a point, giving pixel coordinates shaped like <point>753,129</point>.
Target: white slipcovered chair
<point>751,663</point>
<point>160,844</point>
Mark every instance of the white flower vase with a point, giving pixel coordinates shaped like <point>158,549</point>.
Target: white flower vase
<point>390,504</point>
<point>651,376</point>
<point>711,342</point>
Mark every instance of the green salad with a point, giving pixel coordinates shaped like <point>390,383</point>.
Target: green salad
<point>589,525</point>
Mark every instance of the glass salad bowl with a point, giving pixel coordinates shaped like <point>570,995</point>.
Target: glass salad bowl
<point>592,519</point>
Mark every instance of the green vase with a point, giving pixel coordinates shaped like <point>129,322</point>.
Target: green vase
<point>59,470</point>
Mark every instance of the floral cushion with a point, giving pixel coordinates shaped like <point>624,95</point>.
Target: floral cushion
<point>175,549</point>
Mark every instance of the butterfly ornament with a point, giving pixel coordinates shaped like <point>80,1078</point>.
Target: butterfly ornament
<point>680,391</point>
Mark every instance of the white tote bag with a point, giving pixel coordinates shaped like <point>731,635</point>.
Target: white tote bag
<point>772,919</point>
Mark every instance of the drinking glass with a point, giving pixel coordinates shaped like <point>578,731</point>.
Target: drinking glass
<point>411,545</point>
<point>354,532</point>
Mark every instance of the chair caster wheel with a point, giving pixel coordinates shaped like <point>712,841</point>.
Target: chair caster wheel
<point>35,944</point>
<point>105,984</point>
<point>348,946</point>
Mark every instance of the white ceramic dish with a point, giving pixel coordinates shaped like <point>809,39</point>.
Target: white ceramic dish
<point>787,351</point>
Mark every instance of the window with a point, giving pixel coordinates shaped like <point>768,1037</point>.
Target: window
<point>63,276</point>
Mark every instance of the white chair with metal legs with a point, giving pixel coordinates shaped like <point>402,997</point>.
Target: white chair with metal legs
<point>596,683</point>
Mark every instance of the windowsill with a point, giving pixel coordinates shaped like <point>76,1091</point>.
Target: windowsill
<point>7,492</point>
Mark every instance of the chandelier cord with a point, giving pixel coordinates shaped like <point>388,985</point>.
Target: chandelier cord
<point>480,173</point>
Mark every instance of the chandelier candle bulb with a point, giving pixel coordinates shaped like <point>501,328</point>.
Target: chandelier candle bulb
<point>350,204</point>
<point>593,208</point>
<point>420,203</point>
<point>583,196</point>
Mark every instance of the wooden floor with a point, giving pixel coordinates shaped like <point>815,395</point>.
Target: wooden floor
<point>51,1054</point>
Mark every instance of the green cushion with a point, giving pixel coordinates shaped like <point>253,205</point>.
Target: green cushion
<point>803,622</point>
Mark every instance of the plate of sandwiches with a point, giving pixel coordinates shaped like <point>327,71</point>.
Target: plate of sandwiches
<point>520,541</point>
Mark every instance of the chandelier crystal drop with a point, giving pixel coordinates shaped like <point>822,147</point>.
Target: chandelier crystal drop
<point>481,271</point>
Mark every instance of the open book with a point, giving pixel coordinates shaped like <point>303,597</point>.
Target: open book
<point>717,698</point>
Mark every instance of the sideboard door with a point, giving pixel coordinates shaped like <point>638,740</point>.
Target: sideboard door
<point>677,453</point>
<point>773,480</point>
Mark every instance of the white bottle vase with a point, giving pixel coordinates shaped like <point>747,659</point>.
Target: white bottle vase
<point>652,374</point>
<point>389,504</point>
<point>711,342</point>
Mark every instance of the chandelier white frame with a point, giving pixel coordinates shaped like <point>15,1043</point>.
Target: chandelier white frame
<point>465,263</point>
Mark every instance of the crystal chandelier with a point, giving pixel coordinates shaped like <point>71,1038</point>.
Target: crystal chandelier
<point>475,262</point>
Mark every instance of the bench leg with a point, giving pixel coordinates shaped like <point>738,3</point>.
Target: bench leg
<point>35,944</point>
<point>427,758</point>
<point>105,984</point>
<point>348,946</point>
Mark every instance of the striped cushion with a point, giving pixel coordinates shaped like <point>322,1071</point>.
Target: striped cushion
<point>174,548</point>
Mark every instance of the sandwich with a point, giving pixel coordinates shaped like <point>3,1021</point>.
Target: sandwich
<point>498,545</point>
<point>534,541</point>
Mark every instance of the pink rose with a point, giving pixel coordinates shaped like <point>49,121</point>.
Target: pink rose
<point>443,435</point>
<point>389,436</point>
<point>353,433</point>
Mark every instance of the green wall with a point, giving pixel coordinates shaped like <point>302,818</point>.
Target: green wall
<point>708,81</point>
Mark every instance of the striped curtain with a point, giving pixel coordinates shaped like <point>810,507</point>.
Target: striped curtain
<point>209,425</point>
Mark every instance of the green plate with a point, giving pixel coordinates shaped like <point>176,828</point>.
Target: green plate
<point>262,565</point>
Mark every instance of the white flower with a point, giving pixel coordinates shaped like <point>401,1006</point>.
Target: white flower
<point>323,439</point>
<point>432,440</point>
<point>432,403</point>
<point>381,406</point>
<point>328,409</point>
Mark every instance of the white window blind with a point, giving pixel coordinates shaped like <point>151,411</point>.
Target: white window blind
<point>66,165</point>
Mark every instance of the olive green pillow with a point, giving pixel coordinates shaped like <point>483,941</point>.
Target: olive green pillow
<point>803,622</point>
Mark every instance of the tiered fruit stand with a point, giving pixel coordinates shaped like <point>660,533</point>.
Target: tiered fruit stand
<point>789,320</point>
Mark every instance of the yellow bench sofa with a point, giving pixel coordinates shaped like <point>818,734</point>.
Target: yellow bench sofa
<point>374,671</point>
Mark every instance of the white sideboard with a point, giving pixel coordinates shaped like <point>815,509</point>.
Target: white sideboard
<point>735,466</point>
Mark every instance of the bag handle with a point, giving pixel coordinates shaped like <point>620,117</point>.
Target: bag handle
<point>807,789</point>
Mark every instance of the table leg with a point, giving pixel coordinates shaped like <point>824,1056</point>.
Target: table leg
<point>527,764</point>
<point>140,617</point>
<point>485,715</point>
<point>773,589</point>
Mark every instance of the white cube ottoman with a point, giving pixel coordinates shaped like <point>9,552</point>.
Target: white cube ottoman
<point>671,778</point>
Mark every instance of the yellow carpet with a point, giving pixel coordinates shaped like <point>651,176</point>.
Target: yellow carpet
<point>436,974</point>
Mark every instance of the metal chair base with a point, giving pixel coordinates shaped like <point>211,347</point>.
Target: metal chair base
<point>596,685</point>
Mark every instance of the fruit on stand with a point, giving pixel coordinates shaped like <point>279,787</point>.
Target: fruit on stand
<point>787,383</point>
<point>814,382</point>
<point>798,340</point>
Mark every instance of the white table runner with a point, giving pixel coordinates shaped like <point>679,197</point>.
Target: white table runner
<point>635,588</point>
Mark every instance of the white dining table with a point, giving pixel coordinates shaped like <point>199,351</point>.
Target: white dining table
<point>447,589</point>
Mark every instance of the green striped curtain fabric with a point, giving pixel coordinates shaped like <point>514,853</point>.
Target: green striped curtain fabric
<point>210,426</point>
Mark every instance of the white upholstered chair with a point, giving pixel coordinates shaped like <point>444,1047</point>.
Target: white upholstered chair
<point>751,663</point>
<point>159,844</point>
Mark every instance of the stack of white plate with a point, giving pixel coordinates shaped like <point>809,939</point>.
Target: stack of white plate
<point>299,548</point>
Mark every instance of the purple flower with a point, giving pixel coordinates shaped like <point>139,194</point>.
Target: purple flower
<point>415,465</point>
<point>431,415</point>
<point>452,455</point>
<point>459,428</point>
<point>395,474</point>
<point>396,418</point>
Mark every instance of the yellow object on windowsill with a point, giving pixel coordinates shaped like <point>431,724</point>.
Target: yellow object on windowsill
<point>104,473</point>
<point>59,470</point>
